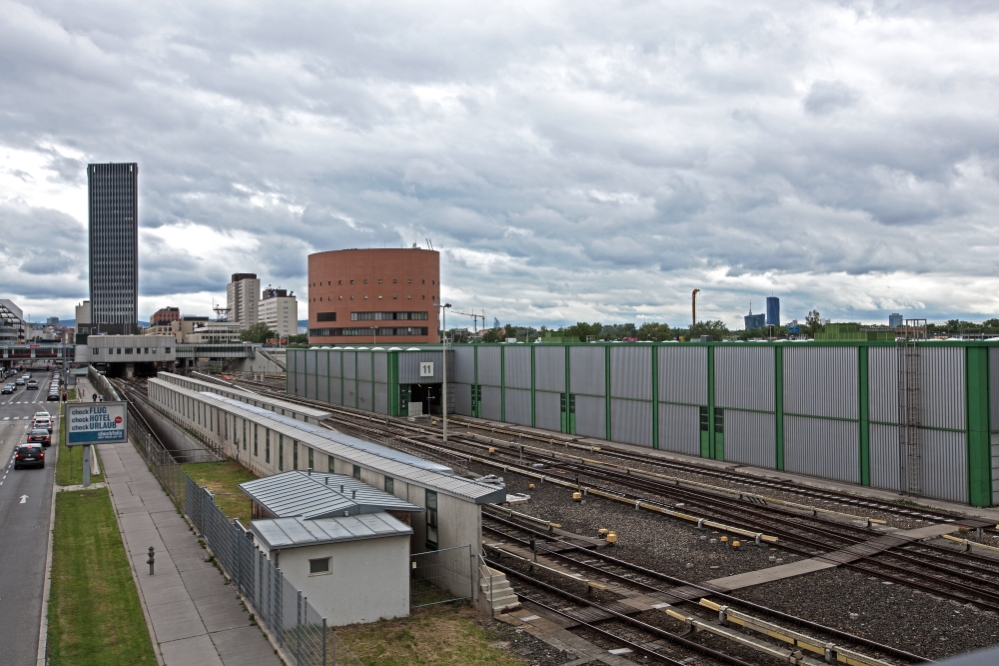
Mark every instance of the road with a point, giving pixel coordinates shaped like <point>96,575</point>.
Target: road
<point>24,527</point>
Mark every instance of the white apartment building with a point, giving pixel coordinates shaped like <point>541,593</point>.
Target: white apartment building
<point>242,299</point>
<point>213,332</point>
<point>279,310</point>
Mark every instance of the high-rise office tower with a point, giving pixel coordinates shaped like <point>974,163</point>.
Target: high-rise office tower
<point>113,200</point>
<point>773,311</point>
<point>895,320</point>
<point>243,299</point>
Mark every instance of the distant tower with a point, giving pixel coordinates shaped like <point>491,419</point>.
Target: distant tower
<point>895,320</point>
<point>114,247</point>
<point>754,321</point>
<point>773,311</point>
<point>243,299</point>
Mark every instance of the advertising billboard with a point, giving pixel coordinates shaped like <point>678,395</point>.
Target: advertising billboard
<point>96,423</point>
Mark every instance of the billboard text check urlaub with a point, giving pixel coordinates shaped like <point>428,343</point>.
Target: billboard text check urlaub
<point>97,423</point>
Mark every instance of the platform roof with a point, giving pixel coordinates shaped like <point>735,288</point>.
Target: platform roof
<point>279,533</point>
<point>305,410</point>
<point>313,495</point>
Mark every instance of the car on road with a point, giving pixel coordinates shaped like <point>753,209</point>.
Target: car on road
<point>40,436</point>
<point>9,388</point>
<point>29,455</point>
<point>41,412</point>
<point>20,381</point>
<point>53,397</point>
<point>42,422</point>
<point>32,385</point>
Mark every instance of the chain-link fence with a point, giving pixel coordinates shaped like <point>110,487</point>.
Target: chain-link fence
<point>440,576</point>
<point>286,613</point>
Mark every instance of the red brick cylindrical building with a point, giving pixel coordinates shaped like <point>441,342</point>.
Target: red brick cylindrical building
<point>387,295</point>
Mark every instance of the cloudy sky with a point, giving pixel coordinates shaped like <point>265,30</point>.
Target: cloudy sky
<point>571,160</point>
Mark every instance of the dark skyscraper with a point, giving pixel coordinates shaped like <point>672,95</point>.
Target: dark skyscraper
<point>114,247</point>
<point>773,311</point>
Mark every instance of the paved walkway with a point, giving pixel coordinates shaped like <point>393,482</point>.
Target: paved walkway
<point>196,618</point>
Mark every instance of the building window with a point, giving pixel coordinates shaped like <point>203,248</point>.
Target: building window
<point>409,282</point>
<point>351,298</point>
<point>357,472</point>
<point>326,316</point>
<point>720,421</point>
<point>244,434</point>
<point>97,351</point>
<point>341,298</point>
<point>431,520</point>
<point>294,454</point>
<point>267,445</point>
<point>119,350</point>
<point>423,281</point>
<point>365,282</point>
<point>147,350</point>
<point>352,282</point>
<point>154,350</point>
<point>331,464</point>
<point>319,566</point>
<point>339,281</point>
<point>389,484</point>
<point>280,453</point>
<point>379,280</point>
<point>311,459</point>
<point>256,441</point>
<point>167,350</point>
<point>395,281</point>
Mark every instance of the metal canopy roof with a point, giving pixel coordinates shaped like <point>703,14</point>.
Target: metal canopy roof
<point>180,380</point>
<point>320,495</point>
<point>347,440</point>
<point>448,484</point>
<point>298,532</point>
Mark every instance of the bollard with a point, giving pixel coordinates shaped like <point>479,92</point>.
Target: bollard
<point>151,561</point>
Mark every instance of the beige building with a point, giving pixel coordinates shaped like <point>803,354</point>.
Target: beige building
<point>213,331</point>
<point>243,298</point>
<point>279,310</point>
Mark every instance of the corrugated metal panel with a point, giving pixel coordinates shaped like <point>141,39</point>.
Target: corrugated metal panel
<point>882,373</point>
<point>885,462</point>
<point>491,396</point>
<point>631,373</point>
<point>994,390</point>
<point>300,373</point>
<point>381,366</point>
<point>586,370</point>
<point>744,377</point>
<point>549,368</point>
<point>489,366</point>
<point>821,381</point>
<point>995,469</point>
<point>683,374</point>
<point>336,392</point>
<point>350,392</point>
<point>822,447</point>
<point>518,406</point>
<point>409,367</point>
<point>517,367</point>
<point>364,399</point>
<point>336,358</point>
<point>943,470</point>
<point>462,399</point>
<point>942,387</point>
<point>464,364</point>
<point>631,422</point>
<point>381,398</point>
<point>548,410</point>
<point>591,416</point>
<point>291,360</point>
<point>323,383</point>
<point>751,438</point>
<point>364,371</point>
<point>350,364</point>
<point>680,429</point>
<point>310,370</point>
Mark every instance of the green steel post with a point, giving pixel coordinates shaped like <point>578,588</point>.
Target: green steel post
<point>291,356</point>
<point>710,453</point>
<point>865,416</point>
<point>655,396</point>
<point>607,393</point>
<point>372,375</point>
<point>393,384</point>
<point>569,425</point>
<point>779,403</point>
<point>979,454</point>
<point>343,396</point>
<point>476,403</point>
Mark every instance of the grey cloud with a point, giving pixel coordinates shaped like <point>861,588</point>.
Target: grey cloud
<point>827,97</point>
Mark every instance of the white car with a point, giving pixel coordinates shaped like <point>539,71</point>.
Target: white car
<point>42,413</point>
<point>42,422</point>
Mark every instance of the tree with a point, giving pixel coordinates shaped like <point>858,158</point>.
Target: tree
<point>655,331</point>
<point>301,339</point>
<point>258,333</point>
<point>813,323</point>
<point>716,329</point>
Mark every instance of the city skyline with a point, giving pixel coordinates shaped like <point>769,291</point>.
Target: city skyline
<point>597,171</point>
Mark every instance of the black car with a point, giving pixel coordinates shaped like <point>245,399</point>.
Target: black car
<point>40,436</point>
<point>8,388</point>
<point>29,455</point>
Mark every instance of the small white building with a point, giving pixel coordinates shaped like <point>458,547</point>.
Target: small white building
<point>343,543</point>
<point>279,310</point>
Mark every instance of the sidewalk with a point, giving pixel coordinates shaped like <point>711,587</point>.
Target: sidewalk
<point>194,616</point>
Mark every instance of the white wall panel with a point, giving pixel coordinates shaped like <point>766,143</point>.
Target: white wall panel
<point>463,399</point>
<point>683,374</point>
<point>631,372</point>
<point>489,365</point>
<point>680,429</point>
<point>491,404</point>
<point>591,416</point>
<point>884,455</point>
<point>517,366</point>
<point>464,364</point>
<point>549,368</point>
<point>518,406</point>
<point>548,410</point>
<point>821,381</point>
<point>744,377</point>
<point>822,447</point>
<point>751,438</point>
<point>587,367</point>
<point>631,422</point>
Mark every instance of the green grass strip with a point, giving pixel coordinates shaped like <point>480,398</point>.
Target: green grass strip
<point>69,467</point>
<point>223,479</point>
<point>94,614</point>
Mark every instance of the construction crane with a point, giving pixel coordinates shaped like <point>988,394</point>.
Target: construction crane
<point>475,319</point>
<point>693,307</point>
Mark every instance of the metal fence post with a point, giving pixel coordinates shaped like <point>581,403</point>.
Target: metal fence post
<point>298,628</point>
<point>324,644</point>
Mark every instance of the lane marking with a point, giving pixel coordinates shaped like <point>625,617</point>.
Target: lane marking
<point>24,499</point>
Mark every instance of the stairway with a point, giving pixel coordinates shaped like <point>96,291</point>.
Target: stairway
<point>502,598</point>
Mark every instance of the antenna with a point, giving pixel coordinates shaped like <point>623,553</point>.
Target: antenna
<point>430,246</point>
<point>221,313</point>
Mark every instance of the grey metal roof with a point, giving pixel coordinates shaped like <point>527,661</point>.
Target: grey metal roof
<point>448,484</point>
<point>346,440</point>
<point>320,495</point>
<point>298,532</point>
<point>181,380</point>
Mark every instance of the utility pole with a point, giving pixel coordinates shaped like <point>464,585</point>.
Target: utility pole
<point>693,308</point>
<point>444,308</point>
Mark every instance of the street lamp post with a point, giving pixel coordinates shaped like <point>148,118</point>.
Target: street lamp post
<point>374,335</point>
<point>444,308</point>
